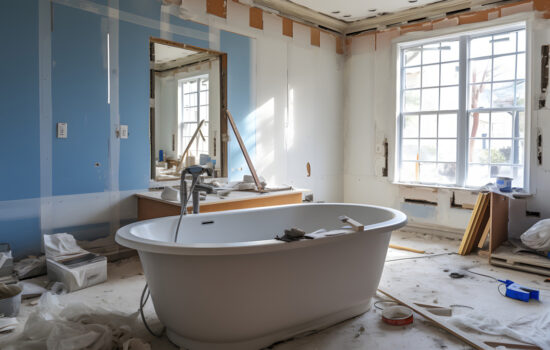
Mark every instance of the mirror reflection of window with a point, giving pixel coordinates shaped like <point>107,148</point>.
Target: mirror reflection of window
<point>194,104</point>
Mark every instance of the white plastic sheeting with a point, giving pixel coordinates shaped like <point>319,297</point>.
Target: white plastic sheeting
<point>77,326</point>
<point>532,328</point>
<point>538,236</point>
<point>61,245</point>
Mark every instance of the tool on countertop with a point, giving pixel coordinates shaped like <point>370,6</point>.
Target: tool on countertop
<point>519,292</point>
<point>357,226</point>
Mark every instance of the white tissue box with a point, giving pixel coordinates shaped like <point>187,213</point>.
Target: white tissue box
<point>78,273</point>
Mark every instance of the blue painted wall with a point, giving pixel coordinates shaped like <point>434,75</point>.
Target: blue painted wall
<point>239,100</point>
<point>80,163</point>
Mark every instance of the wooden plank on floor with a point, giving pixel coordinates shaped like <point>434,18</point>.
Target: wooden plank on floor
<point>470,226</point>
<point>439,321</point>
<point>483,221</point>
<point>485,234</point>
<point>504,256</point>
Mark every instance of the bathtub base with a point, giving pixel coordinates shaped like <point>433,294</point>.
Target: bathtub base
<point>267,340</point>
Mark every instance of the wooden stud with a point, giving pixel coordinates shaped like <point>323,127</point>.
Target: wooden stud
<point>542,5</point>
<point>471,224</point>
<point>256,18</point>
<point>473,17</point>
<point>485,234</point>
<point>315,37</point>
<point>288,29</point>
<point>245,152</point>
<point>216,8</point>
<point>398,247</point>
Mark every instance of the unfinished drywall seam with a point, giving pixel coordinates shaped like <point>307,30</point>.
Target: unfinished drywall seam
<point>114,115</point>
<point>90,6</point>
<point>45,105</point>
<point>165,31</point>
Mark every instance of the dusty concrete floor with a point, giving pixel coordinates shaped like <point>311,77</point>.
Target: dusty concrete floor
<point>422,280</point>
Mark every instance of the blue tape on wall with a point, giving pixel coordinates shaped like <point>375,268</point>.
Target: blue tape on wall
<point>239,100</point>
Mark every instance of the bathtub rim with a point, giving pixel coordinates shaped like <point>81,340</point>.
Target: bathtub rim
<point>126,238</point>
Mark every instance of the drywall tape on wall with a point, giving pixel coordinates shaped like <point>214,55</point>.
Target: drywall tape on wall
<point>90,6</point>
<point>45,104</point>
<point>114,115</point>
<point>165,31</point>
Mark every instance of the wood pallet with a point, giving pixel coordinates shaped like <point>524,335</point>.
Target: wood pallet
<point>504,256</point>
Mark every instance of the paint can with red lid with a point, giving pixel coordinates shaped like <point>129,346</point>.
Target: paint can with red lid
<point>397,315</point>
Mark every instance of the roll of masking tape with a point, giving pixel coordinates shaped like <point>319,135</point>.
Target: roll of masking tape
<point>397,315</point>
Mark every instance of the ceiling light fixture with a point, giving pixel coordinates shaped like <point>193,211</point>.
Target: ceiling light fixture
<point>413,1</point>
<point>372,10</point>
<point>346,16</point>
<point>335,12</point>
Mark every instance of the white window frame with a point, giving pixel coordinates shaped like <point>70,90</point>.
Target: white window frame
<point>181,107</point>
<point>515,22</point>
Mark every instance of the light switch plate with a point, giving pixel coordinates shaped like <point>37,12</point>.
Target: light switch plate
<point>61,130</point>
<point>123,131</point>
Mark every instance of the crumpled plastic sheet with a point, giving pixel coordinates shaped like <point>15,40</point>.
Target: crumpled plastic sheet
<point>538,236</point>
<point>77,326</point>
<point>533,328</point>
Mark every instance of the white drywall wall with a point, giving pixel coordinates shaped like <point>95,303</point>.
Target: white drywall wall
<point>370,117</point>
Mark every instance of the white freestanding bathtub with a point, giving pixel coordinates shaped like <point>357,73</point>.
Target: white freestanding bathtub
<point>227,284</point>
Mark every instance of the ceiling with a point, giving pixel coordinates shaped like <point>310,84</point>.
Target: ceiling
<point>165,53</point>
<point>353,10</point>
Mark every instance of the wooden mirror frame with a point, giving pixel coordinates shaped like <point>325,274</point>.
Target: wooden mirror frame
<point>223,100</point>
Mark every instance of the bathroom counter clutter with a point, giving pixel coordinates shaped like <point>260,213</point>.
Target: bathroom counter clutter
<point>151,205</point>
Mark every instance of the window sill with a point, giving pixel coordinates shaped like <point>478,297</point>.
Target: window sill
<point>456,188</point>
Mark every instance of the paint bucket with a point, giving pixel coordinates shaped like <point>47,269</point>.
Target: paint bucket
<point>504,184</point>
<point>10,300</point>
<point>397,315</point>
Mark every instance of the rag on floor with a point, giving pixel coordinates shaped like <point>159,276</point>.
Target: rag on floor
<point>77,326</point>
<point>532,328</point>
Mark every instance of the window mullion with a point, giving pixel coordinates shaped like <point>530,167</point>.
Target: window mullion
<point>462,130</point>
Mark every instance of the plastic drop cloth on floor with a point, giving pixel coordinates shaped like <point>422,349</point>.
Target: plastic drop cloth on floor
<point>534,328</point>
<point>77,326</point>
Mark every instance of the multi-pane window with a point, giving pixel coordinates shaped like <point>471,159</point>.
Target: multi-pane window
<point>462,115</point>
<point>194,104</point>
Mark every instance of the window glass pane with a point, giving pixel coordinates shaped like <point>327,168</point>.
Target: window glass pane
<point>521,66</point>
<point>501,151</point>
<point>412,100</point>
<point>203,113</point>
<point>449,98</point>
<point>428,125</point>
<point>480,96</point>
<point>430,99</point>
<point>504,68</point>
<point>190,114</point>
<point>450,51</point>
<point>478,175</point>
<point>410,126</point>
<point>447,125</point>
<point>501,124</point>
<point>521,41</point>
<point>428,172</point>
<point>409,150</point>
<point>480,71</point>
<point>503,95</point>
<point>412,78</point>
<point>481,47</point>
<point>409,171</point>
<point>479,124</point>
<point>519,151</point>
<point>189,100</point>
<point>204,98</point>
<point>449,73</point>
<point>504,43</point>
<point>479,151</point>
<point>413,57</point>
<point>427,150</point>
<point>191,86</point>
<point>430,75</point>
<point>446,173</point>
<point>188,130</point>
<point>520,94</point>
<point>430,53</point>
<point>446,151</point>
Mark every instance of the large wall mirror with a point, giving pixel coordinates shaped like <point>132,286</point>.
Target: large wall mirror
<point>187,109</point>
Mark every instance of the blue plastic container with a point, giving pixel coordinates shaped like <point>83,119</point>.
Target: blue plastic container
<point>504,184</point>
